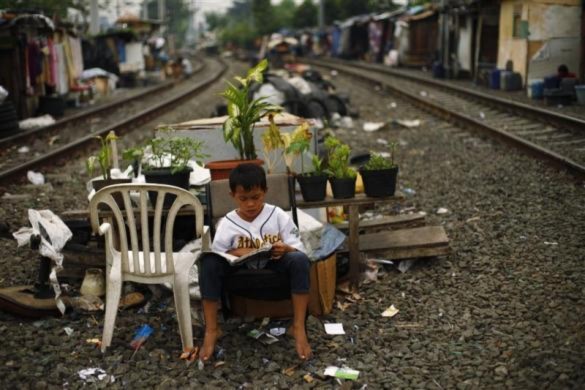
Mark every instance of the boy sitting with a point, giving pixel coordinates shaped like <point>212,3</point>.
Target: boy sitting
<point>243,230</point>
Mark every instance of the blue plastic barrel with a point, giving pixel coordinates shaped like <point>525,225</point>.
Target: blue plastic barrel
<point>495,79</point>
<point>537,90</point>
<point>580,90</point>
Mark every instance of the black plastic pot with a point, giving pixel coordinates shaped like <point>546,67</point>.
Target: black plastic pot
<point>164,176</point>
<point>99,184</point>
<point>342,188</point>
<point>379,183</point>
<point>313,187</point>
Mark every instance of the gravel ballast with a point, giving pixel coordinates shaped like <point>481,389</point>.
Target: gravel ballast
<point>505,309</point>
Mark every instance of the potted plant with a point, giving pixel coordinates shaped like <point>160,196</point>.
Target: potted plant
<point>341,176</point>
<point>104,160</point>
<point>313,184</point>
<point>243,113</point>
<point>165,160</point>
<point>379,174</point>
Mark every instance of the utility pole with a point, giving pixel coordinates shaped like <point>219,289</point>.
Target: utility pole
<point>161,10</point>
<point>94,27</point>
<point>321,15</point>
<point>162,15</point>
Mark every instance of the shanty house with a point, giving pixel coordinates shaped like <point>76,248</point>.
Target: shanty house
<point>539,35</point>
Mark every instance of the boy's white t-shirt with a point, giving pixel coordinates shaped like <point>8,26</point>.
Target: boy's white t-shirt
<point>272,224</point>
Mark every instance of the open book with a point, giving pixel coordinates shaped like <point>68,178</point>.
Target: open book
<point>262,253</point>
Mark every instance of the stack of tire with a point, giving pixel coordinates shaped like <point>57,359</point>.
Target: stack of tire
<point>8,119</point>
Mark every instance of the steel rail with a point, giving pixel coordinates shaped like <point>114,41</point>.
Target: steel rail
<point>120,127</point>
<point>526,110</point>
<point>528,147</point>
<point>23,137</point>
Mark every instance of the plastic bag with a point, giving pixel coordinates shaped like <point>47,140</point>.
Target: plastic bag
<point>54,235</point>
<point>3,94</point>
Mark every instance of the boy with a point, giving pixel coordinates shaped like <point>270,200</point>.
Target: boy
<point>241,231</point>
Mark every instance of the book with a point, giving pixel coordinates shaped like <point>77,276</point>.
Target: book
<point>259,254</point>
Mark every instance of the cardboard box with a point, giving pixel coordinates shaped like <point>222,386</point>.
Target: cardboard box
<point>209,130</point>
<point>321,294</point>
<point>101,85</point>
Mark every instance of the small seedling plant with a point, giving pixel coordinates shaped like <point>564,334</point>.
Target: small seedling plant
<point>379,162</point>
<point>103,159</point>
<point>171,151</point>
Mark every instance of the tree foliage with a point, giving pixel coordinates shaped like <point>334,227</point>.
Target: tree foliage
<point>263,15</point>
<point>215,20</point>
<point>50,8</point>
<point>247,19</point>
<point>305,15</point>
<point>284,14</point>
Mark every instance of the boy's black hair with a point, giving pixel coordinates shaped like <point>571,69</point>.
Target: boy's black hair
<point>248,176</point>
<point>563,68</point>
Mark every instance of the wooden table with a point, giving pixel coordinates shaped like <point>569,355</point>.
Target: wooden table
<point>353,205</point>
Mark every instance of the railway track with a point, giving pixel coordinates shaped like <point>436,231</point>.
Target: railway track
<point>76,134</point>
<point>552,137</point>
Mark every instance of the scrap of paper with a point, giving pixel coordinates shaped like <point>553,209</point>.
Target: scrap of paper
<point>264,338</point>
<point>277,331</point>
<point>342,373</point>
<point>390,312</point>
<point>336,328</point>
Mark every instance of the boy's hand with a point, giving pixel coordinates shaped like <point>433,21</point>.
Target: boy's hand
<point>240,251</point>
<point>279,248</point>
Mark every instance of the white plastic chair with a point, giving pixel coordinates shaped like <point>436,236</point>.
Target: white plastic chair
<point>128,263</point>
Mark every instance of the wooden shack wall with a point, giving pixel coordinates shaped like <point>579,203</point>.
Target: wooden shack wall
<point>423,41</point>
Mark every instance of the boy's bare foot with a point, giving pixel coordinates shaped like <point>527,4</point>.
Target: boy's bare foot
<point>209,340</point>
<point>301,342</point>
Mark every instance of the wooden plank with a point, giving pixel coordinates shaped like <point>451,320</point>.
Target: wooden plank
<point>359,199</point>
<point>386,221</point>
<point>427,236</point>
<point>353,243</point>
<point>406,243</point>
<point>413,253</point>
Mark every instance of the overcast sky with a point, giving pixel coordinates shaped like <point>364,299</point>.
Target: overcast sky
<point>202,6</point>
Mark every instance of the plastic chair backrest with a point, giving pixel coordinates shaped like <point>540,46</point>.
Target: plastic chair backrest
<point>280,193</point>
<point>125,219</point>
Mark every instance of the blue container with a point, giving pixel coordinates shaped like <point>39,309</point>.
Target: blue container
<point>438,70</point>
<point>580,90</point>
<point>495,79</point>
<point>537,90</point>
<point>552,82</point>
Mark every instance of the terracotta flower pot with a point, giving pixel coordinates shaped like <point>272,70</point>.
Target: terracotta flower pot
<point>221,169</point>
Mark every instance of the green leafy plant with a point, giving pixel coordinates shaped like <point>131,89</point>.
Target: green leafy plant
<point>338,159</point>
<point>318,166</point>
<point>244,112</point>
<point>104,157</point>
<point>170,151</point>
<point>377,161</point>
